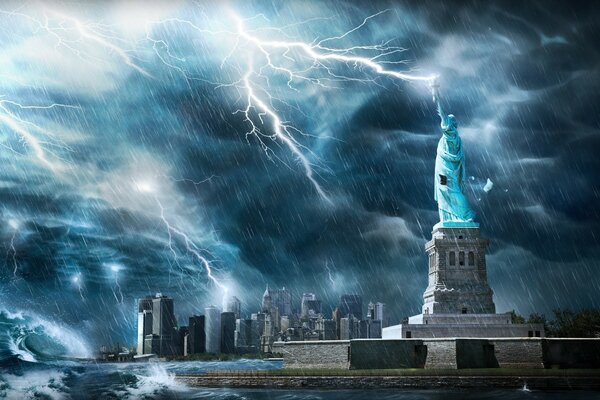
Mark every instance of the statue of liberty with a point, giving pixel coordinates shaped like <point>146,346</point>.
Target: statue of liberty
<point>450,175</point>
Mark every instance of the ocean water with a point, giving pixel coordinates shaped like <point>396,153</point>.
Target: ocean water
<point>38,361</point>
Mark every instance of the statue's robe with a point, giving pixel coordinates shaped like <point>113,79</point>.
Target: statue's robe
<point>450,178</point>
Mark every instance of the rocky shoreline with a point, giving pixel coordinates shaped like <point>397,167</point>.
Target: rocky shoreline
<point>591,382</point>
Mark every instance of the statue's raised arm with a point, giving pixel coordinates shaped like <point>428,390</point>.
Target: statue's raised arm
<point>435,86</point>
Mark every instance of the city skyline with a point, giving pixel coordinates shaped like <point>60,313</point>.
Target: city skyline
<point>228,330</point>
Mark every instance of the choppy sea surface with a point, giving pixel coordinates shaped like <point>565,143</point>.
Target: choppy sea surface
<point>38,361</point>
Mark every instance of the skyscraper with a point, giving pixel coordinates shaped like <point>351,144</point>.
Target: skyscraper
<point>336,315</point>
<point>144,323</point>
<point>232,304</point>
<point>375,329</point>
<point>376,311</point>
<point>228,332</point>
<point>351,304</point>
<point>212,329</point>
<point>197,336</point>
<point>257,328</point>
<point>282,300</point>
<point>244,342</point>
<point>156,325</point>
<point>266,301</point>
<point>347,328</point>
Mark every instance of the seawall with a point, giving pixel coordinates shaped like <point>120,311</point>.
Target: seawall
<point>444,353</point>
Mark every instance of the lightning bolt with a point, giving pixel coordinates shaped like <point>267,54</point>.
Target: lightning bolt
<point>68,32</point>
<point>331,280</point>
<point>274,56</point>
<point>191,247</point>
<point>13,251</point>
<point>27,131</point>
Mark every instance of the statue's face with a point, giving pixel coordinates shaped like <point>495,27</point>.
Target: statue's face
<point>452,120</point>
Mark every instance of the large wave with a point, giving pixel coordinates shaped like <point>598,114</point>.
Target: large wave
<point>30,338</point>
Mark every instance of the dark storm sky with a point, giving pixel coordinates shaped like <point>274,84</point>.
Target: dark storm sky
<point>83,237</point>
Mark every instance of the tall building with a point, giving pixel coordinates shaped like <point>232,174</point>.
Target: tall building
<point>351,304</point>
<point>282,300</point>
<point>257,329</point>
<point>181,336</point>
<point>228,332</point>
<point>212,329</point>
<point>376,311</point>
<point>326,329</point>
<point>336,315</point>
<point>266,301</point>
<point>375,329</point>
<point>144,323</point>
<point>232,304</point>
<point>310,306</point>
<point>244,342</point>
<point>197,337</point>
<point>157,328</point>
<point>363,330</point>
<point>347,328</point>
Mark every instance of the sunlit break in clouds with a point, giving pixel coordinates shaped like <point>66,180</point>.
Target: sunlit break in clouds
<point>206,149</point>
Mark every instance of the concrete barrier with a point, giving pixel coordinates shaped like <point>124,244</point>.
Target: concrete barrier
<point>475,353</point>
<point>571,353</point>
<point>386,354</point>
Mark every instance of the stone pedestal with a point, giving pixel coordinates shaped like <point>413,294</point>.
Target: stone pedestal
<point>458,302</point>
<point>457,273</point>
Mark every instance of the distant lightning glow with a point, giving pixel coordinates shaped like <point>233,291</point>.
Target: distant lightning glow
<point>115,268</point>
<point>77,281</point>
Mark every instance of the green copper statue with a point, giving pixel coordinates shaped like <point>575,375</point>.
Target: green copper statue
<point>450,175</point>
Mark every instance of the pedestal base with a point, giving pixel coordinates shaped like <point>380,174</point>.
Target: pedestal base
<point>462,326</point>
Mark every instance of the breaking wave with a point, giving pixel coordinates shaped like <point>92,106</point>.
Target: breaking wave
<point>30,338</point>
<point>43,359</point>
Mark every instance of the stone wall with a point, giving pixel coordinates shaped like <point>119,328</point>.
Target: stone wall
<point>441,354</point>
<point>518,353</point>
<point>450,353</point>
<point>317,354</point>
